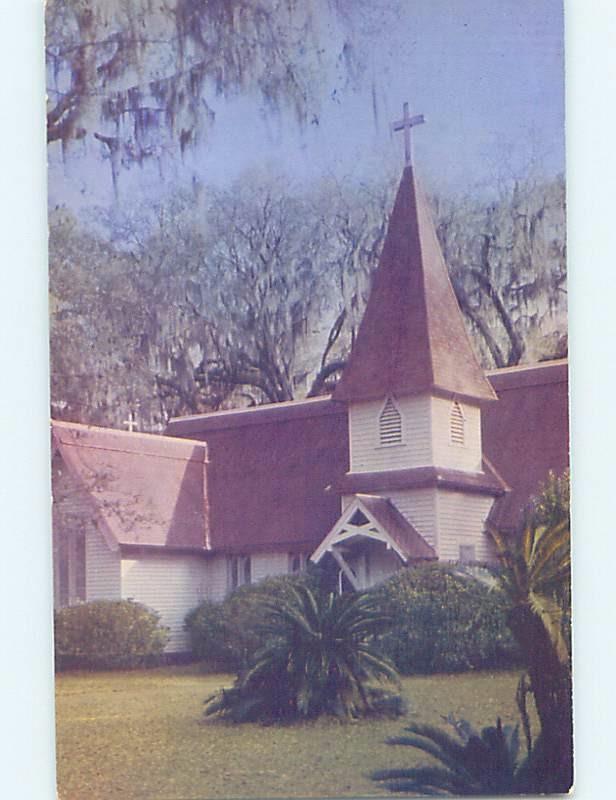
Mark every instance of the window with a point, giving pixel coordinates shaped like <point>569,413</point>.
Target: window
<point>239,571</point>
<point>467,553</point>
<point>297,563</point>
<point>71,568</point>
<point>390,424</point>
<point>456,424</point>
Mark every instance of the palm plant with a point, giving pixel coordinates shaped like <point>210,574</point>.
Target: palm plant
<point>320,655</point>
<point>469,763</point>
<point>536,577</point>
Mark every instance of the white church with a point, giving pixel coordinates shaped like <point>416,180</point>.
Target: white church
<point>415,449</point>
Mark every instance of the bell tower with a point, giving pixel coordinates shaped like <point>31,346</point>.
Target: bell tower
<point>414,391</point>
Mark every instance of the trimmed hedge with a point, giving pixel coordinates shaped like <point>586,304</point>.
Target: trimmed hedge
<point>445,620</point>
<point>226,634</point>
<point>108,634</point>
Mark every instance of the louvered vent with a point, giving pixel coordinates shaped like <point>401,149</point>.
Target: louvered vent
<point>456,424</point>
<point>390,424</point>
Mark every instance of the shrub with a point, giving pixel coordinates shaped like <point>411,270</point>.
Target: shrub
<point>468,763</point>
<point>108,634</point>
<point>445,620</point>
<point>320,656</point>
<point>226,634</point>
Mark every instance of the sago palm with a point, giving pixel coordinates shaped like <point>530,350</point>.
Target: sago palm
<point>467,763</point>
<point>320,656</point>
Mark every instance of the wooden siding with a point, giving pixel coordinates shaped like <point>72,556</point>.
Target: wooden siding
<point>419,507</point>
<point>103,580</point>
<point>455,456</point>
<point>366,452</point>
<point>169,584</point>
<point>461,521</point>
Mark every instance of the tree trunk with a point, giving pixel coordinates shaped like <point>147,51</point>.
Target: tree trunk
<point>552,759</point>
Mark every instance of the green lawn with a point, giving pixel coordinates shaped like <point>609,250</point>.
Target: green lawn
<point>135,735</point>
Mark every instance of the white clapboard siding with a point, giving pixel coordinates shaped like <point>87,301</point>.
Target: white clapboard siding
<point>367,452</point>
<point>103,572</point>
<point>419,507</point>
<point>169,584</point>
<point>448,453</point>
<point>461,520</point>
<point>265,565</point>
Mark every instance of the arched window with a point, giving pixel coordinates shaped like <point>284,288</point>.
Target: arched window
<point>456,424</point>
<point>390,424</point>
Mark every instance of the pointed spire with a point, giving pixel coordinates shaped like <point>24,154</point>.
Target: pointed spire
<point>412,338</point>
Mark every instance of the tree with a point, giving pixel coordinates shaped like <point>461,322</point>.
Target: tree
<point>537,578</point>
<point>533,577</point>
<point>320,656</point>
<point>507,262</point>
<point>143,79</point>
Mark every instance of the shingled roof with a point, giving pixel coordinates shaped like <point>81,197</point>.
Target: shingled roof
<point>145,490</point>
<point>526,434</point>
<point>269,468</point>
<point>412,336</point>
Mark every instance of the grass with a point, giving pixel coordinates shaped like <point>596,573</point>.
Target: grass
<point>138,735</point>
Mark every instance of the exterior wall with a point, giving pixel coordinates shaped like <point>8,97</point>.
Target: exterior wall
<point>169,584</point>
<point>419,506</point>
<point>103,567</point>
<point>366,452</point>
<point>455,456</point>
<point>461,520</point>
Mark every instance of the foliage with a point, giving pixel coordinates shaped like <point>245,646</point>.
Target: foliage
<point>108,634</point>
<point>469,763</point>
<point>320,656</point>
<point>251,293</point>
<point>227,634</point>
<point>507,262</point>
<point>445,620</point>
<point>537,579</point>
<point>145,79</point>
<point>552,505</point>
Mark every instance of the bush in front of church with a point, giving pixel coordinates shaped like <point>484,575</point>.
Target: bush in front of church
<point>226,634</point>
<point>445,620</point>
<point>320,655</point>
<point>106,634</point>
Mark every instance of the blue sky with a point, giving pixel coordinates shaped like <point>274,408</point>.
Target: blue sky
<point>487,74</point>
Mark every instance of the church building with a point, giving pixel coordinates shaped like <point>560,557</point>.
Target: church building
<point>409,457</point>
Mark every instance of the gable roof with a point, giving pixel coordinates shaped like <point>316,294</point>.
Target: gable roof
<point>391,527</point>
<point>526,434</point>
<point>146,490</point>
<point>412,336</point>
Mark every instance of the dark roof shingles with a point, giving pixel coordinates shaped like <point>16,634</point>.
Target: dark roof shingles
<point>412,337</point>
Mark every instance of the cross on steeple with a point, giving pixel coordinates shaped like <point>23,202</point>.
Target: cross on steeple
<point>405,124</point>
<point>131,423</point>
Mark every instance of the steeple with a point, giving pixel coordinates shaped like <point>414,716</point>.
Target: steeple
<point>412,338</point>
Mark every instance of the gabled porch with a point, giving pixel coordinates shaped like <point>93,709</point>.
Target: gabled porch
<point>370,541</point>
